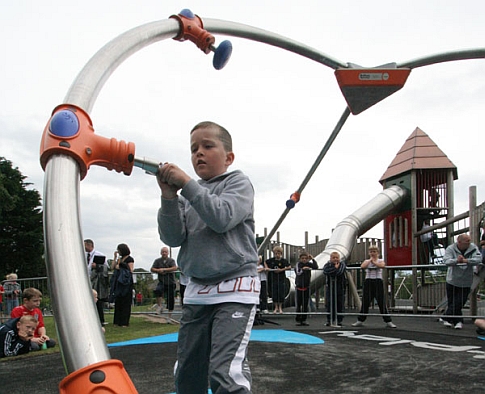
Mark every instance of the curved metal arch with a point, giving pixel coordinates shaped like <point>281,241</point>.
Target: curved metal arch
<point>87,85</point>
<point>468,54</point>
<point>81,339</point>
<point>62,229</point>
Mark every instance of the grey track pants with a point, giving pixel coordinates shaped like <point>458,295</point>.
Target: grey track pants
<point>212,347</point>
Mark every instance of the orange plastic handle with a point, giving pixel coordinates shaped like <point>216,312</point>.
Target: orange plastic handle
<point>193,29</point>
<point>101,378</point>
<point>81,143</point>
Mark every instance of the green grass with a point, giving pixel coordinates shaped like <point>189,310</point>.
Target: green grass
<point>140,327</point>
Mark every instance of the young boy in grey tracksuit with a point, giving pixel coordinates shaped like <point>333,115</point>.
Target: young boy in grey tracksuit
<point>212,222</point>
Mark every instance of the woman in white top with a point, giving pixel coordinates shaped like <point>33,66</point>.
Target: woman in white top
<point>373,288</point>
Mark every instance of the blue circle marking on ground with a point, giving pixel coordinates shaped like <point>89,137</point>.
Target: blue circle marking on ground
<point>281,336</point>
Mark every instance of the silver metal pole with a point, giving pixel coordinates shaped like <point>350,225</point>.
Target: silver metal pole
<point>79,331</point>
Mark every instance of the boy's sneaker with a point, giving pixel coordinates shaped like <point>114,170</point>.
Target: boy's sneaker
<point>459,325</point>
<point>358,323</point>
<point>390,324</point>
<point>447,323</point>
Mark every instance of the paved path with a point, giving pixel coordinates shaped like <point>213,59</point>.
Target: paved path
<point>419,356</point>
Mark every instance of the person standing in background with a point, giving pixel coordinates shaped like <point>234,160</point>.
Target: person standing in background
<point>462,257</point>
<point>334,270</point>
<point>263,278</point>
<point>12,292</point>
<point>122,285</point>
<point>90,254</point>
<point>373,288</point>
<point>98,272</point>
<point>303,271</point>
<point>278,267</point>
<point>165,267</point>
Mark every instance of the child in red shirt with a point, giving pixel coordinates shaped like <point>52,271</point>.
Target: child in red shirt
<point>32,298</point>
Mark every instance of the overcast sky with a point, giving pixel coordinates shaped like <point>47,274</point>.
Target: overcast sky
<point>279,107</point>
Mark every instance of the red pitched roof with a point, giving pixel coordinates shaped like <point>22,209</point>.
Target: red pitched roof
<point>418,152</point>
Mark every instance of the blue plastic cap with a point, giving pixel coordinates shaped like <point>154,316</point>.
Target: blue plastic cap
<point>64,124</point>
<point>222,55</point>
<point>187,13</point>
<point>290,204</point>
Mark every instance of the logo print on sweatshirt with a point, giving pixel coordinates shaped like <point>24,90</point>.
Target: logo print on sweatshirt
<point>237,315</point>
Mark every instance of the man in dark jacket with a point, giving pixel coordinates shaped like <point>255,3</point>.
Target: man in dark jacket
<point>15,335</point>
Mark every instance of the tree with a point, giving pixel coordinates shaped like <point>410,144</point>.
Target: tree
<point>21,228</point>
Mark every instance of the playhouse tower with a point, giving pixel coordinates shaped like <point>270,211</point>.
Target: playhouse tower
<point>426,172</point>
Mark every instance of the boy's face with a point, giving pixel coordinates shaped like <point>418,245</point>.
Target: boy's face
<point>335,259</point>
<point>304,258</point>
<point>34,302</point>
<point>26,330</point>
<point>209,158</point>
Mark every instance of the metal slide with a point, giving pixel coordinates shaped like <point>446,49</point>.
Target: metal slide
<point>348,230</point>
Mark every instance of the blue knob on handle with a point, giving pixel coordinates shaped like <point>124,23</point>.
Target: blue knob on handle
<point>221,54</point>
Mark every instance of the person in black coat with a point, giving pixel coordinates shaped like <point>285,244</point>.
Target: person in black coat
<point>303,272</point>
<point>334,271</point>
<point>122,285</point>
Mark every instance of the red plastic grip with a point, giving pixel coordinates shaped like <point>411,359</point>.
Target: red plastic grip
<point>193,29</point>
<point>295,197</point>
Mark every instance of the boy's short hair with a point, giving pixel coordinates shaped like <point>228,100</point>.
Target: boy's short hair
<point>30,293</point>
<point>224,135</point>
<point>303,254</point>
<point>335,254</point>
<point>89,241</point>
<point>28,319</point>
<point>277,249</point>
<point>11,276</point>
<point>374,247</point>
